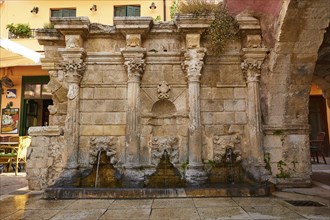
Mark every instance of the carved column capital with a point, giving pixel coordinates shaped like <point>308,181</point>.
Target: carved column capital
<point>251,68</point>
<point>193,63</point>
<point>135,69</point>
<point>73,70</point>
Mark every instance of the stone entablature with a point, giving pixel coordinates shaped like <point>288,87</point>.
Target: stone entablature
<point>138,89</point>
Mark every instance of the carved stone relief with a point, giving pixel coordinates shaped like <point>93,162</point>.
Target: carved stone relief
<point>99,144</point>
<point>161,144</point>
<point>72,41</point>
<point>133,40</point>
<point>192,40</point>
<point>226,148</point>
<point>254,41</point>
<point>163,90</point>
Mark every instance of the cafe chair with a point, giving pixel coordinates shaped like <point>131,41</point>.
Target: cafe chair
<point>24,143</point>
<point>316,147</point>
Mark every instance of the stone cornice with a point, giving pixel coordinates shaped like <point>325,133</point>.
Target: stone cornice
<point>193,24</point>
<point>72,25</point>
<point>133,25</point>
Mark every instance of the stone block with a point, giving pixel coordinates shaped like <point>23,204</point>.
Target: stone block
<point>114,130</point>
<point>61,94</point>
<point>236,129</point>
<point>207,118</point>
<point>89,130</point>
<point>92,77</point>
<point>87,93</point>
<point>93,105</point>
<point>62,108</point>
<point>224,118</point>
<point>222,93</point>
<point>212,105</point>
<point>118,75</point>
<point>211,130</point>
<point>121,93</point>
<point>240,93</point>
<point>40,141</point>
<point>104,93</point>
<point>234,105</point>
<point>120,118</point>
<point>115,105</point>
<point>240,118</point>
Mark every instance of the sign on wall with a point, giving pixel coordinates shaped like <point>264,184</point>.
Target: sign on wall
<point>9,120</point>
<point>11,94</point>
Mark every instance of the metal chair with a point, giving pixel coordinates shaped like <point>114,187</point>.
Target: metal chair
<point>316,147</point>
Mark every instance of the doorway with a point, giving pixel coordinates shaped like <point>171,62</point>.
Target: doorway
<point>36,98</point>
<point>318,119</point>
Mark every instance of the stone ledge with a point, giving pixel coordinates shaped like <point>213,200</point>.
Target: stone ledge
<point>45,131</point>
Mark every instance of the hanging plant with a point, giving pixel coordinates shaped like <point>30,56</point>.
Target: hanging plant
<point>223,28</point>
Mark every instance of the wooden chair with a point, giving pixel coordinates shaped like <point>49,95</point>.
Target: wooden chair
<point>16,155</point>
<point>316,147</point>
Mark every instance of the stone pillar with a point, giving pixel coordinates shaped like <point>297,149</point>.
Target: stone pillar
<point>73,67</point>
<point>73,73</point>
<point>193,64</point>
<point>135,65</point>
<point>251,67</point>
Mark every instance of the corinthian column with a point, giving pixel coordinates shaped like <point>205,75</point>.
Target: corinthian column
<point>193,64</point>
<point>251,68</point>
<point>73,71</point>
<point>135,68</point>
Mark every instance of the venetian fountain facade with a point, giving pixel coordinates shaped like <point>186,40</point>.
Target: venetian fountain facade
<point>139,90</point>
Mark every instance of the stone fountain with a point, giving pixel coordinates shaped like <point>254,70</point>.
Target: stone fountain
<point>143,105</point>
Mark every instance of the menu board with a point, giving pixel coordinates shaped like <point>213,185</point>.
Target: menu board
<point>9,121</point>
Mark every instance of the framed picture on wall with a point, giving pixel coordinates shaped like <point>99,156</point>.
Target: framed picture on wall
<point>9,120</point>
<point>11,94</point>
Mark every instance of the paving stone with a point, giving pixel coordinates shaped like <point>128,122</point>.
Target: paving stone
<point>173,203</point>
<point>91,204</point>
<point>32,214</point>
<point>174,213</point>
<point>317,213</point>
<point>214,202</point>
<point>223,213</point>
<point>48,204</point>
<point>257,201</point>
<point>271,212</point>
<point>140,213</point>
<point>82,214</point>
<point>131,204</point>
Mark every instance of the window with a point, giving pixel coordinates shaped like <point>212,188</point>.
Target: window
<point>127,10</point>
<point>64,12</point>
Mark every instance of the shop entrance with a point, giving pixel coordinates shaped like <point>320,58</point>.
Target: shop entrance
<point>36,98</point>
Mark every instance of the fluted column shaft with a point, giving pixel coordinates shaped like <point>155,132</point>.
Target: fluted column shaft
<point>135,69</point>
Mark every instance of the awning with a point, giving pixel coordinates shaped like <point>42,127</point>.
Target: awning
<point>14,54</point>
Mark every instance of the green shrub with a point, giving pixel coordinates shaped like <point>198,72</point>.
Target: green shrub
<point>19,30</point>
<point>48,26</point>
<point>223,28</point>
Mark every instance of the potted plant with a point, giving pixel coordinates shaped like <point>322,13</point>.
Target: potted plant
<point>19,30</point>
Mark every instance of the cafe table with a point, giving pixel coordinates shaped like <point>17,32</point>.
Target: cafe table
<point>8,152</point>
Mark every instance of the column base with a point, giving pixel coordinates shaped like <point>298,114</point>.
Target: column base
<point>196,175</point>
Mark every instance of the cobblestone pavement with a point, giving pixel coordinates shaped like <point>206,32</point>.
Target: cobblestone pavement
<point>30,205</point>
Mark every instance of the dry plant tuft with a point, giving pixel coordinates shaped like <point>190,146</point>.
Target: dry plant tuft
<point>223,28</point>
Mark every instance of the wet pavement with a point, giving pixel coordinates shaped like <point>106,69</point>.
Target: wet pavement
<point>30,205</point>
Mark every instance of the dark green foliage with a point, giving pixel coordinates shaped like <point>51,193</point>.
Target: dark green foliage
<point>20,30</point>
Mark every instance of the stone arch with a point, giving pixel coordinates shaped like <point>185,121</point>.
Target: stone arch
<point>163,107</point>
<point>286,81</point>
